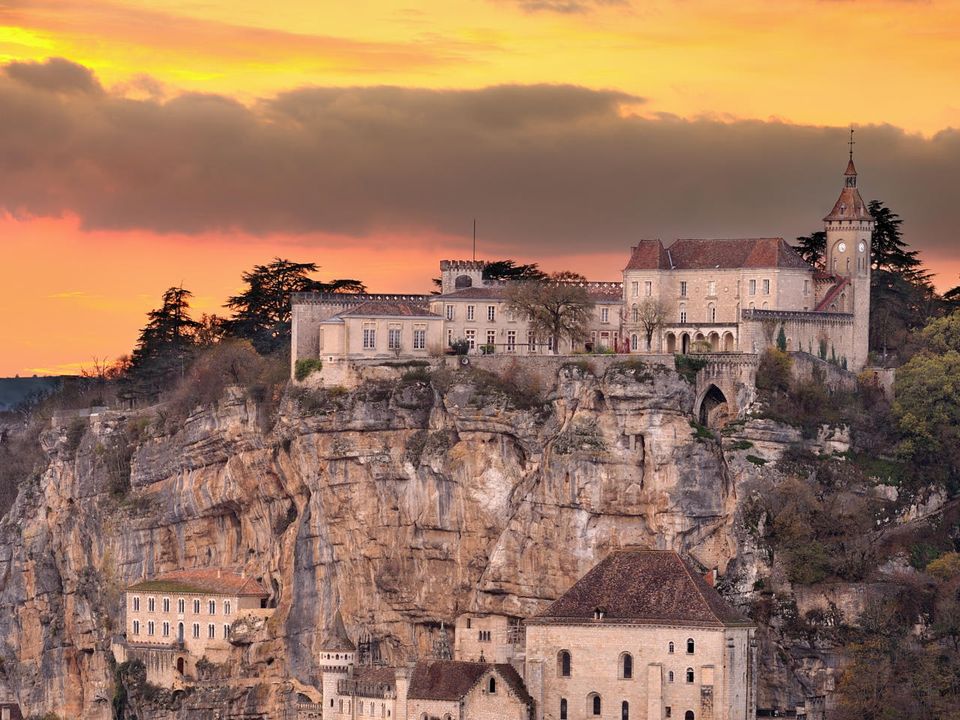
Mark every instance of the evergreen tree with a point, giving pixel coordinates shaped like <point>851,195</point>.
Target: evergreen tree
<point>510,270</point>
<point>782,340</point>
<point>888,250</point>
<point>813,248</point>
<point>262,311</point>
<point>165,343</point>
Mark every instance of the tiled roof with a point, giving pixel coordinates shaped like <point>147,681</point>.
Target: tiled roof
<point>209,581</point>
<point>453,679</point>
<point>598,292</point>
<point>849,206</point>
<point>705,254</point>
<point>375,676</point>
<point>648,255</point>
<point>335,637</point>
<point>832,293</point>
<point>643,586</point>
<point>389,309</point>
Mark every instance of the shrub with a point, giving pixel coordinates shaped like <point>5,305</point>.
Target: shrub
<point>702,432</point>
<point>580,436</point>
<point>460,346</point>
<point>758,461</point>
<point>416,375</point>
<point>741,445</point>
<point>688,366</point>
<point>774,371</point>
<point>307,366</point>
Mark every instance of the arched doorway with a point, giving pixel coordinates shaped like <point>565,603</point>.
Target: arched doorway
<point>728,342</point>
<point>714,411</point>
<point>685,343</point>
<point>181,665</point>
<point>671,343</point>
<point>715,341</point>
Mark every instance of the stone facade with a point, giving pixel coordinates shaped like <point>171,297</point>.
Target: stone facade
<point>695,295</point>
<point>176,619</point>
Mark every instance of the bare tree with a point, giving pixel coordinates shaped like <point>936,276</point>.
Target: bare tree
<point>556,307</point>
<point>652,314</point>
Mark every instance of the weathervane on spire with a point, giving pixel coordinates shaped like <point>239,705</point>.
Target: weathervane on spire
<point>851,143</point>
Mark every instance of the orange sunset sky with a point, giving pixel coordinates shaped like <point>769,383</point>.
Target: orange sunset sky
<point>145,144</point>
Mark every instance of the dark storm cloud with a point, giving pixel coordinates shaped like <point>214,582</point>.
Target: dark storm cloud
<point>546,169</point>
<point>563,7</point>
<point>55,75</point>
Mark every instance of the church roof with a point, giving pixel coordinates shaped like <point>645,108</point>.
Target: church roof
<point>335,637</point>
<point>453,679</point>
<point>642,587</point>
<point>204,580</point>
<point>707,254</point>
<point>849,206</point>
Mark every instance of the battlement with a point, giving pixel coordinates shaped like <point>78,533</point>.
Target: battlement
<point>463,264</point>
<point>318,298</point>
<point>801,315</point>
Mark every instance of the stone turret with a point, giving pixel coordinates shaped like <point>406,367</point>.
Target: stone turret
<point>460,274</point>
<point>337,656</point>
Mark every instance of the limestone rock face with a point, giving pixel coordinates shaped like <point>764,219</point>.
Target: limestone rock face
<point>402,503</point>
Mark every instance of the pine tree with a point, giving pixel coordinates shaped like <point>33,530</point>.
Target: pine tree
<point>813,248</point>
<point>165,344</point>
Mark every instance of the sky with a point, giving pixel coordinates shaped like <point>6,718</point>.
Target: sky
<point>145,144</point>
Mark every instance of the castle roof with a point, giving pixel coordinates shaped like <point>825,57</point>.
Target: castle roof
<point>397,308</point>
<point>654,587</point>
<point>453,679</point>
<point>204,581</point>
<point>849,205</point>
<point>599,292</point>
<point>335,637</point>
<point>711,253</point>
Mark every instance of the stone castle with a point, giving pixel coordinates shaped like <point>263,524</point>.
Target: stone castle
<point>695,295</point>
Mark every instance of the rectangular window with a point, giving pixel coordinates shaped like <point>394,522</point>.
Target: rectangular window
<point>491,313</point>
<point>766,287</point>
<point>712,288</point>
<point>369,337</point>
<point>196,630</point>
<point>511,341</point>
<point>151,604</point>
<point>648,288</point>
<point>166,629</point>
<point>180,604</point>
<point>491,337</point>
<point>449,312</point>
<point>634,289</point>
<point>531,342</point>
<point>469,312</point>
<point>683,314</point>
<point>683,288</point>
<point>471,339</point>
<point>196,607</point>
<point>806,287</point>
<point>449,337</point>
<point>136,604</point>
<point>150,628</point>
<point>226,607</point>
<point>166,605</point>
<point>393,338</point>
<point>226,632</point>
<point>604,315</point>
<point>419,338</point>
<point>136,627</point>
<point>753,287</point>
<point>211,631</point>
<point>212,607</point>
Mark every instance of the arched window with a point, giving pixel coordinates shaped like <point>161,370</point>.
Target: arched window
<point>634,342</point>
<point>670,648</point>
<point>626,666</point>
<point>690,646</point>
<point>624,710</point>
<point>492,686</point>
<point>688,715</point>
<point>670,676</point>
<point>593,704</point>
<point>563,709</point>
<point>689,675</point>
<point>635,314</point>
<point>683,313</point>
<point>563,663</point>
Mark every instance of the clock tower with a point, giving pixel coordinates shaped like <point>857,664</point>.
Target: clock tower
<point>849,228</point>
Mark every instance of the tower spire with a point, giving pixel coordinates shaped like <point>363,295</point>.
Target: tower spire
<point>851,143</point>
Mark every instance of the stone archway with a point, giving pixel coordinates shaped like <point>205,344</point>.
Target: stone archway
<point>181,665</point>
<point>671,343</point>
<point>728,342</point>
<point>714,411</point>
<point>463,281</point>
<point>714,339</point>
<point>685,343</point>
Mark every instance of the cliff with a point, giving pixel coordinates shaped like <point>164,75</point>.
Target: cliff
<point>402,503</point>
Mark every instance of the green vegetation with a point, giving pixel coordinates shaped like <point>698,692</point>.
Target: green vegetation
<point>688,366</point>
<point>557,308</point>
<point>758,461</point>
<point>580,437</point>
<point>741,445</point>
<point>307,366</point>
<point>702,432</point>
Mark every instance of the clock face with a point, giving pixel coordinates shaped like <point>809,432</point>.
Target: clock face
<point>842,247</point>
<point>862,246</point>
